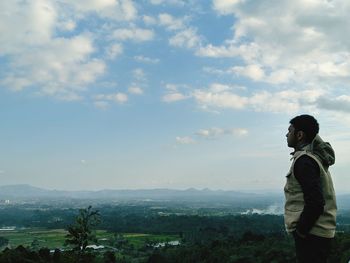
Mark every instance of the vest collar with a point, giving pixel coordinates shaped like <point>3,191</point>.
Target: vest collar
<point>302,148</point>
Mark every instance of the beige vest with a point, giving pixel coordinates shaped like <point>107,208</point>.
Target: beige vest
<point>325,225</point>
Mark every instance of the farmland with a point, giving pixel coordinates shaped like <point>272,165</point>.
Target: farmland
<point>54,238</point>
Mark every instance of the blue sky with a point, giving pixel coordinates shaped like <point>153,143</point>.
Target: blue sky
<point>126,94</point>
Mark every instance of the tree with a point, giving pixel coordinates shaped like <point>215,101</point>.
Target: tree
<point>109,257</point>
<point>3,241</point>
<point>35,245</point>
<point>81,232</point>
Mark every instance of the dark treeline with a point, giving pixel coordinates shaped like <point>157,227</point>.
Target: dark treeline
<point>249,248</point>
<point>140,219</point>
<point>208,239</point>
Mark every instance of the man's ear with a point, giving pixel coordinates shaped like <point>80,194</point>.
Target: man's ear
<point>300,135</point>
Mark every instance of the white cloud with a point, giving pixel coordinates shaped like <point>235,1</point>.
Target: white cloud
<point>118,97</point>
<point>213,133</point>
<point>61,68</point>
<point>210,133</point>
<point>135,90</point>
<point>254,72</point>
<point>124,10</point>
<point>218,87</point>
<point>184,140</point>
<point>139,74</point>
<point>239,132</point>
<point>171,2</point>
<point>147,59</point>
<point>287,101</point>
<point>133,34</point>
<point>224,99</point>
<point>101,104</point>
<point>170,22</point>
<point>114,50</point>
<point>225,6</point>
<point>171,87</point>
<point>68,25</point>
<point>176,96</point>
<point>41,55</point>
<point>187,38</point>
<point>156,2</point>
<point>218,51</point>
<point>149,20</point>
<point>293,42</point>
<point>28,23</point>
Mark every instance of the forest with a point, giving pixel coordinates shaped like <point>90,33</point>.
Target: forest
<point>133,233</point>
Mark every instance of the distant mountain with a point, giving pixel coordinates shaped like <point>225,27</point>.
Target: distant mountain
<point>28,192</point>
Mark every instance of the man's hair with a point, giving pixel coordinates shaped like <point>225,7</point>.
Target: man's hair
<point>306,123</point>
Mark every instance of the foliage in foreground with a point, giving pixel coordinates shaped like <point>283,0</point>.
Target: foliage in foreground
<point>257,248</point>
<point>81,232</point>
<point>250,248</point>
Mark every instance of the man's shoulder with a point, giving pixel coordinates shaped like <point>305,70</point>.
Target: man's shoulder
<point>306,160</point>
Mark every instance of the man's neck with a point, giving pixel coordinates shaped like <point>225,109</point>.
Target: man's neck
<point>300,146</point>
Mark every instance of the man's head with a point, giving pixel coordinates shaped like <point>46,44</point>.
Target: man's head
<point>302,129</point>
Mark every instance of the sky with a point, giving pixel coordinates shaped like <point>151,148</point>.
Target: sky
<point>123,94</point>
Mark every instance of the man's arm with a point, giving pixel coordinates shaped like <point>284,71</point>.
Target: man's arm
<point>307,172</point>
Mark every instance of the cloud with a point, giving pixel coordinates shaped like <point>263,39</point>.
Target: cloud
<point>146,59</point>
<point>62,68</point>
<point>184,140</point>
<point>212,133</point>
<point>101,104</point>
<point>239,132</point>
<point>149,20</point>
<point>121,10</point>
<point>135,90</point>
<point>170,22</point>
<point>218,132</point>
<point>118,97</point>
<point>224,99</point>
<point>47,47</point>
<point>183,36</point>
<point>224,51</point>
<point>169,2</point>
<point>340,103</point>
<point>290,42</point>
<point>187,38</point>
<point>219,87</point>
<point>133,34</point>
<point>226,6</point>
<point>172,87</point>
<point>219,96</point>
<point>114,50</point>
<point>254,72</point>
<point>139,74</point>
<point>28,23</point>
<point>176,96</point>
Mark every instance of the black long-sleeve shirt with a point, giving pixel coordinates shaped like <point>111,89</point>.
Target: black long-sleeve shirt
<point>307,173</point>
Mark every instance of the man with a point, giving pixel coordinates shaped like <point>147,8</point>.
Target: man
<point>310,208</point>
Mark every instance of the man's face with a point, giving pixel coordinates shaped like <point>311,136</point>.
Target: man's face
<point>291,137</point>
